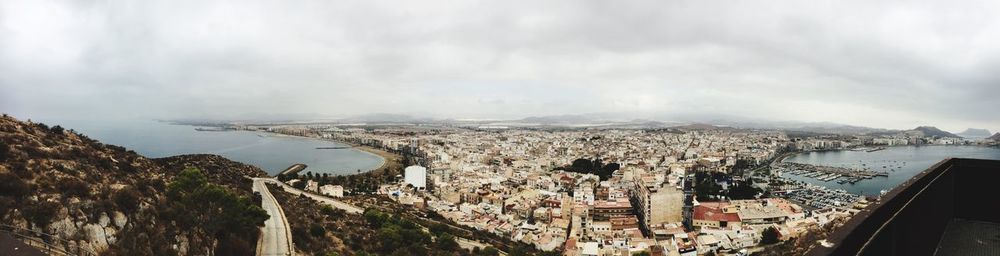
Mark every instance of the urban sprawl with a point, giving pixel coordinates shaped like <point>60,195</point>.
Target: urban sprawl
<point>672,191</point>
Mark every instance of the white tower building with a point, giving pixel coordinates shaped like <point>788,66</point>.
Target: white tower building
<point>417,176</point>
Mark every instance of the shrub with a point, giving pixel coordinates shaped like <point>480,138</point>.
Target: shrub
<point>4,151</point>
<point>41,213</point>
<point>13,186</point>
<point>127,199</point>
<point>316,230</point>
<point>446,242</point>
<point>57,129</point>
<point>331,212</point>
<point>75,188</point>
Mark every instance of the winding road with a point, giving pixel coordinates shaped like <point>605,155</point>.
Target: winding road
<point>323,199</point>
<point>276,235</point>
<point>259,184</point>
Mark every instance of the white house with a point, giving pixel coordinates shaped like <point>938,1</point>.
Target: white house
<point>332,190</point>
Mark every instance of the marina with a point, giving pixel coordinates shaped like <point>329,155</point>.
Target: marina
<point>889,166</point>
<point>829,173</point>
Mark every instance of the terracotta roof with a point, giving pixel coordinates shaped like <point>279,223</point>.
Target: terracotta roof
<point>703,212</point>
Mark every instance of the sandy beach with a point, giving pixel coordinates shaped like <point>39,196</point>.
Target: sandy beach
<point>386,156</point>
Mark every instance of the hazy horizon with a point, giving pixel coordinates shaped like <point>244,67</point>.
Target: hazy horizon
<point>893,65</point>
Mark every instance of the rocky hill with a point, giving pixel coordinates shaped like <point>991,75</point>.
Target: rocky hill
<point>974,133</point>
<point>108,200</point>
<point>930,131</point>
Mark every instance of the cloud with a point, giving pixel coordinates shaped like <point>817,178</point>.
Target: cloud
<point>885,64</point>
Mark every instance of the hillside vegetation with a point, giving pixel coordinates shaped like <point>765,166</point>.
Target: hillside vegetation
<point>105,199</point>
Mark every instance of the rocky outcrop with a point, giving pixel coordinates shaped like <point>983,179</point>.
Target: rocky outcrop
<point>104,198</point>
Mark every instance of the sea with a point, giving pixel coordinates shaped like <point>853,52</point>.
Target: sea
<point>271,152</point>
<point>901,163</point>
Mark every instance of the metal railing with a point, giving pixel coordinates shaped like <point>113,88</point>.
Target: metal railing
<point>46,243</point>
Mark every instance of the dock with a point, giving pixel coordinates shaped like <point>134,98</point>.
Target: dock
<point>294,169</point>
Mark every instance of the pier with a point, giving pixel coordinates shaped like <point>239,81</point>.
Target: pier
<point>295,168</point>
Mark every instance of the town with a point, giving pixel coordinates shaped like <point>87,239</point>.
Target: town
<point>690,190</point>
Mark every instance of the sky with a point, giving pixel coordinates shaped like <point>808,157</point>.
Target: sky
<point>886,64</point>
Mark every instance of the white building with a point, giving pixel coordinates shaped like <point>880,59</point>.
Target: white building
<point>332,190</point>
<point>417,176</point>
<point>312,186</point>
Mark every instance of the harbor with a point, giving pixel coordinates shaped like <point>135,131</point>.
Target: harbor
<point>841,175</point>
<point>900,163</point>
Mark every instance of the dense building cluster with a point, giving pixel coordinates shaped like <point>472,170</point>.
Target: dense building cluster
<point>543,187</point>
<point>588,191</point>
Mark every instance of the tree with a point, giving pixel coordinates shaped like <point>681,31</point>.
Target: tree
<point>595,166</point>
<point>769,236</point>
<point>446,242</point>
<point>438,229</point>
<point>742,190</point>
<point>57,129</point>
<point>548,253</point>
<point>228,217</point>
<point>490,251</point>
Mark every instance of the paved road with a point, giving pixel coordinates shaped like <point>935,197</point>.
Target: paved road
<point>469,244</point>
<point>323,199</point>
<point>277,236</point>
<point>462,242</point>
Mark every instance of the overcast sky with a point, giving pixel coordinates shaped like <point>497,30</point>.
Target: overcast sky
<point>873,63</point>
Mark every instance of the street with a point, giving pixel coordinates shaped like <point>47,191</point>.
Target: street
<point>277,237</point>
<point>323,199</point>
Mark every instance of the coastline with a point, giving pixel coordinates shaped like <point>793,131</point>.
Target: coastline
<point>385,156</point>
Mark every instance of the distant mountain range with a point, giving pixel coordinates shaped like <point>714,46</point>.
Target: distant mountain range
<point>560,119</point>
<point>385,118</point>
<point>974,133</point>
<point>625,121</point>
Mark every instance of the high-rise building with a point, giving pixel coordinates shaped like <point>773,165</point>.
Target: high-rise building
<point>657,202</point>
<point>417,176</point>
